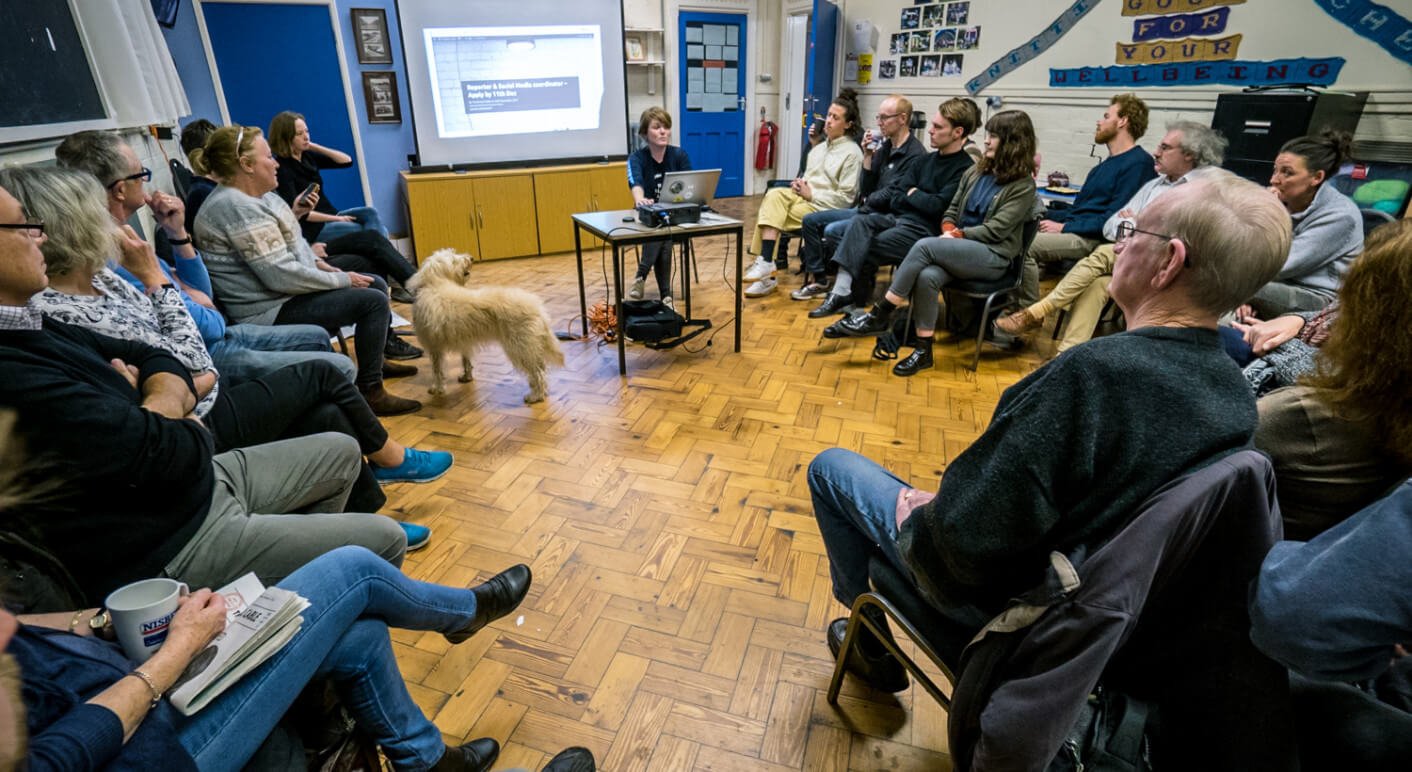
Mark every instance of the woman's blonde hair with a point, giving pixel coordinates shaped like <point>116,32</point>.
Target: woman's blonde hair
<point>74,209</point>
<point>221,154</point>
<point>1364,369</point>
<point>282,133</point>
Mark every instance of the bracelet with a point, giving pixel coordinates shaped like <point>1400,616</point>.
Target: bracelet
<point>179,242</point>
<point>153,291</point>
<point>73,623</point>
<point>146,679</point>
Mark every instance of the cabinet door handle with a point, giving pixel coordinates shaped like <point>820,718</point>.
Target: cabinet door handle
<point>480,217</point>
<point>595,202</point>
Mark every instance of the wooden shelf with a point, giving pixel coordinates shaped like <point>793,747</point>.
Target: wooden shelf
<point>657,62</point>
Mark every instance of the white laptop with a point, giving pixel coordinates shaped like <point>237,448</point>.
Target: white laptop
<point>696,187</point>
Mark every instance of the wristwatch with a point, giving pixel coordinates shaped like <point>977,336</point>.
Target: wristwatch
<point>98,621</point>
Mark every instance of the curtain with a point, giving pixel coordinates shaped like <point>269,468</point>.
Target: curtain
<point>135,70</point>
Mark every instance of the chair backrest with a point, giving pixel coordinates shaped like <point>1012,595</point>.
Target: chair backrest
<point>1372,218</point>
<point>1023,683</point>
<point>181,178</point>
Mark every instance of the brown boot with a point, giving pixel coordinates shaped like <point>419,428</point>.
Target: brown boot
<point>386,404</point>
<point>1018,323</point>
<point>392,369</point>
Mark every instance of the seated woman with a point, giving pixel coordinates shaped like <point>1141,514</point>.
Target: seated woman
<point>1328,229</point>
<point>88,707</point>
<point>981,235</point>
<point>645,169</point>
<point>301,399</point>
<point>1275,353</point>
<point>265,272</point>
<point>830,181</point>
<point>193,140</point>
<point>1342,437</point>
<point>353,239</point>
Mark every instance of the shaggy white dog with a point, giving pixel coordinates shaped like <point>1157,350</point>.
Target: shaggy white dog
<point>451,317</point>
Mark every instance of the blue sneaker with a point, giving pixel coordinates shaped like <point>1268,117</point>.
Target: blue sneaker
<point>418,466</point>
<point>418,536</point>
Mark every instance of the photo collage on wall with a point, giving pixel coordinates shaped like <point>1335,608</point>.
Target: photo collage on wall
<point>933,34</point>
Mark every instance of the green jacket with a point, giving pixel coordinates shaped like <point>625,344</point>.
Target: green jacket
<point>1004,218</point>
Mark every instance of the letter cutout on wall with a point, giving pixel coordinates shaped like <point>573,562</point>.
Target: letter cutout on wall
<point>1186,50</point>
<point>1152,7</point>
<point>1378,23</point>
<point>1158,27</point>
<point>1314,72</point>
<point>1034,47</point>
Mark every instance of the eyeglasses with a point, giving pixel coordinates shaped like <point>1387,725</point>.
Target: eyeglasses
<point>145,175</point>
<point>880,117</point>
<point>1126,229</point>
<point>33,227</point>
<point>1164,147</point>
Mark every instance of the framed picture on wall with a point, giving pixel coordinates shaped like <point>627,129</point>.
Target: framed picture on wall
<point>370,29</point>
<point>635,50</point>
<point>380,95</point>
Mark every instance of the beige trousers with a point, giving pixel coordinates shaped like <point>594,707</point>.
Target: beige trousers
<point>1084,291</point>
<point>782,209</point>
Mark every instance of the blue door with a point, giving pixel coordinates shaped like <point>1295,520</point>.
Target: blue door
<point>303,76</point>
<point>712,47</point>
<point>818,82</point>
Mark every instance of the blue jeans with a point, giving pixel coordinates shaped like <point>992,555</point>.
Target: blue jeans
<point>354,597</point>
<point>367,220</point>
<point>249,351</point>
<point>827,224</point>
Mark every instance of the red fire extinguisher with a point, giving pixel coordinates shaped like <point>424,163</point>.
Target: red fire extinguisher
<point>765,145</point>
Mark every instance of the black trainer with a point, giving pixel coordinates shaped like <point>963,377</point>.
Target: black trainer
<point>396,348</point>
<point>832,305</point>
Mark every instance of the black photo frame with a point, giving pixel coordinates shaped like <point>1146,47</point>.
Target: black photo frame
<point>380,96</point>
<point>371,35</point>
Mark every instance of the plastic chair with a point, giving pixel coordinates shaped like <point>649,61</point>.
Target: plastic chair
<point>1005,287</point>
<point>1372,218</point>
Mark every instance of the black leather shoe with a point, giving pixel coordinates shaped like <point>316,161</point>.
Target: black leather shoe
<point>474,756</point>
<point>495,599</point>
<point>835,330</point>
<point>832,305</point>
<point>920,359</point>
<point>865,326</point>
<point>883,673</point>
<point>575,759</point>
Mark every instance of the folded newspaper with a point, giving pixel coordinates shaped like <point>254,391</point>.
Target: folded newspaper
<point>259,622</point>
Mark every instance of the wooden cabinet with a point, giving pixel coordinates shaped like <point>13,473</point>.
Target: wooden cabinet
<point>509,212</point>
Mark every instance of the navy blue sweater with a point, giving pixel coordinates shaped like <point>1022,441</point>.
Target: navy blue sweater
<point>136,485</point>
<point>1105,190</point>
<point>644,171</point>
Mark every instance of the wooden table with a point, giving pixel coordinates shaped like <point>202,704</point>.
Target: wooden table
<point>612,228</point>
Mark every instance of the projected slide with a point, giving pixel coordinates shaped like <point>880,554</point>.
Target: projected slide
<point>514,80</point>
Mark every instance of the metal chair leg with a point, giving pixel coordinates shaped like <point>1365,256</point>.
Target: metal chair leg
<point>850,639</point>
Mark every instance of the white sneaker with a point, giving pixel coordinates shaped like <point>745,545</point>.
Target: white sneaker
<point>762,288</point>
<point>760,269</point>
<point>636,292</point>
<point>667,301</point>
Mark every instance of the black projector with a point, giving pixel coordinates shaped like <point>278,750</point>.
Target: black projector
<point>654,215</point>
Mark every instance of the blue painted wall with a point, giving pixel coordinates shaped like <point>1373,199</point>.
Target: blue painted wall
<point>385,146</point>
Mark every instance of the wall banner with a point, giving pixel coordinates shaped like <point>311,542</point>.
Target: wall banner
<point>1157,27</point>
<point>1188,50</point>
<point>1036,46</point>
<point>1315,72</point>
<point>1378,23</point>
<point>1151,7</point>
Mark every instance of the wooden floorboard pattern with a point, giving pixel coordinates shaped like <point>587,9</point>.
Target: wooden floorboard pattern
<point>681,590</point>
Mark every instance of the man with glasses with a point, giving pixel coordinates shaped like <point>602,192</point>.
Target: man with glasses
<point>914,213</point>
<point>888,152</point>
<point>1077,445</point>
<point>1189,151</point>
<point>1071,233</point>
<point>240,352</point>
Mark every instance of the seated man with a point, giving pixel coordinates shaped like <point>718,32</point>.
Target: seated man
<point>914,213</point>
<point>111,418</point>
<point>1187,152</point>
<point>884,167</point>
<point>829,181</point>
<point>1070,234</point>
<point>1075,446</point>
<point>241,352</point>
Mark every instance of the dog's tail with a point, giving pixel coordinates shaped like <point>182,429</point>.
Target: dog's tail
<point>553,353</point>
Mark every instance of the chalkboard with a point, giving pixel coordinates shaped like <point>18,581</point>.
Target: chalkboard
<point>47,78</point>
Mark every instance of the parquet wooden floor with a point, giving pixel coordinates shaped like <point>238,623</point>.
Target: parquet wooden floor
<point>681,591</point>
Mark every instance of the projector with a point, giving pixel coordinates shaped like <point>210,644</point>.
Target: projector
<point>654,215</point>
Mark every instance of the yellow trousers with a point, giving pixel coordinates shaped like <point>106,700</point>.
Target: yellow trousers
<point>782,209</point>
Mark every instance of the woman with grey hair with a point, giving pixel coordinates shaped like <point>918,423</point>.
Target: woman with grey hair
<point>299,400</point>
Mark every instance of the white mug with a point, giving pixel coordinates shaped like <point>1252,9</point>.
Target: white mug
<point>142,614</point>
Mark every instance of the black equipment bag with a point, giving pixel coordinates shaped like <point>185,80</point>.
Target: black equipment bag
<point>657,326</point>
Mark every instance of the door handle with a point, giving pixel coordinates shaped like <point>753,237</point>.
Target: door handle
<point>786,100</point>
<point>480,217</point>
<point>740,101</point>
<point>595,203</point>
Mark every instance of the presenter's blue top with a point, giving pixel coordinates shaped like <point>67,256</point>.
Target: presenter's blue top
<point>644,171</point>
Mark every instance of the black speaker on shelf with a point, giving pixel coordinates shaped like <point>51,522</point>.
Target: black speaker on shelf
<point>1258,123</point>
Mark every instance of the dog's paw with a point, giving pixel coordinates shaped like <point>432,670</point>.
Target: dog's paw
<point>436,391</point>
<point>465,379</point>
<point>532,398</point>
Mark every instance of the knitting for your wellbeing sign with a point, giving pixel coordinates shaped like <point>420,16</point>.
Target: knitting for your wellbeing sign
<point>1186,43</point>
